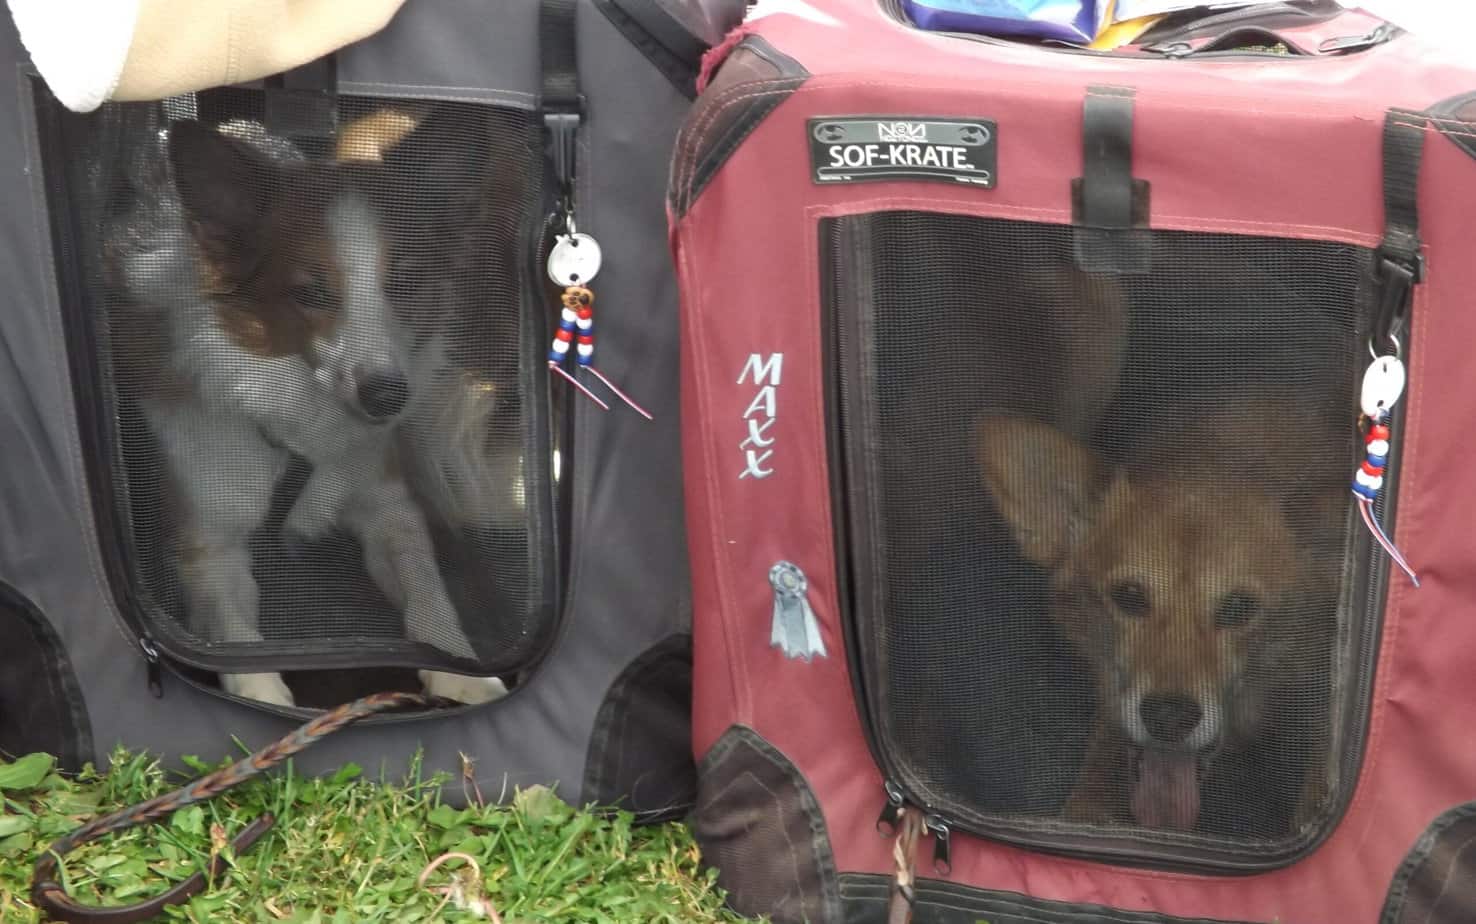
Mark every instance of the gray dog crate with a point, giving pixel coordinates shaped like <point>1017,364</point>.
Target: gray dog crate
<point>575,590</point>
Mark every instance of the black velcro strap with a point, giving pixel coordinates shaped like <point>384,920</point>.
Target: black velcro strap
<point>320,75</point>
<point>557,49</point>
<point>1109,207</point>
<point>1107,158</point>
<point>560,100</point>
<point>1400,264</point>
<point>1404,145</point>
<point>303,102</point>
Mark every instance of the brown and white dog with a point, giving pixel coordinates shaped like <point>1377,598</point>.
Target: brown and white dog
<point>270,272</point>
<point>1179,577</point>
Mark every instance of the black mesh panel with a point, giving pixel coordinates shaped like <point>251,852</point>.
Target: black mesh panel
<point>1098,525</point>
<point>310,363</point>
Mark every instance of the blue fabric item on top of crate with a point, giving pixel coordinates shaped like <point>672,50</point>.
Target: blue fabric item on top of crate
<point>1072,21</point>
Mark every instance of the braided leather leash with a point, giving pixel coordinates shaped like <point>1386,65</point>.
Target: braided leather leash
<point>49,895</point>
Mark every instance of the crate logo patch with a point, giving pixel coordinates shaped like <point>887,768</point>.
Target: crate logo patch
<point>857,149</point>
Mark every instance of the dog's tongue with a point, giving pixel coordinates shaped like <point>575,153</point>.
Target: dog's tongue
<point>1167,792</point>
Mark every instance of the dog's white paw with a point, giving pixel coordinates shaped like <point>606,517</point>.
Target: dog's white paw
<point>264,688</point>
<point>306,524</point>
<point>461,688</point>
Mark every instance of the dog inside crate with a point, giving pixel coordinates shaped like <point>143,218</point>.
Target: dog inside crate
<point>1112,525</point>
<point>313,348</point>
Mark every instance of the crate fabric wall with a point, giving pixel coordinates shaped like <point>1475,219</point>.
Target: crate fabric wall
<point>1021,393</point>
<point>588,584</point>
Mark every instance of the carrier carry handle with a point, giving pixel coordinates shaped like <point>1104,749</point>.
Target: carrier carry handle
<point>1311,29</point>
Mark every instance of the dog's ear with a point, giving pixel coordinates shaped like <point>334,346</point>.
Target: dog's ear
<point>223,184</point>
<point>1045,483</point>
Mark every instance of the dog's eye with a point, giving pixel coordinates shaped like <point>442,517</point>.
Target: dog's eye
<point>314,296</point>
<point>1131,598</point>
<point>1235,610</point>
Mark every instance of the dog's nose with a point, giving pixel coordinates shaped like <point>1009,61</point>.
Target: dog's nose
<point>1170,717</point>
<point>383,394</point>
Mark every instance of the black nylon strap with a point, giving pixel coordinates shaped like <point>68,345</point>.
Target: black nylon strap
<point>320,74</point>
<point>1108,206</point>
<point>1107,158</point>
<point>561,102</point>
<point>1404,145</point>
<point>303,103</point>
<point>557,55</point>
<point>1401,265</point>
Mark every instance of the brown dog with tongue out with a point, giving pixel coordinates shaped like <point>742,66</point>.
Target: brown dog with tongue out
<point>1183,578</point>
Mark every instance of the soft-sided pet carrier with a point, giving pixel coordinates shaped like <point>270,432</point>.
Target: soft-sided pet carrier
<point>190,284</point>
<point>1045,415</point>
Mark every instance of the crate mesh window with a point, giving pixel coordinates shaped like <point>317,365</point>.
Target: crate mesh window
<point>1098,527</point>
<point>305,340</point>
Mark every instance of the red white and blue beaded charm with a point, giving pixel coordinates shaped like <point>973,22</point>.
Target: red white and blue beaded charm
<point>572,263</point>
<point>1383,383</point>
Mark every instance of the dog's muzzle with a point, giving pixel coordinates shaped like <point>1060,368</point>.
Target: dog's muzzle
<point>1170,717</point>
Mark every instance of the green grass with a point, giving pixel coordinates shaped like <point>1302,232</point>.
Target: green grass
<point>348,850</point>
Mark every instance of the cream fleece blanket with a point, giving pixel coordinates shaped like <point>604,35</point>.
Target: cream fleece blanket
<point>93,51</point>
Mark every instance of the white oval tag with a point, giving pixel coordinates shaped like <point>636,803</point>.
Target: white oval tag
<point>1383,383</point>
<point>574,260</point>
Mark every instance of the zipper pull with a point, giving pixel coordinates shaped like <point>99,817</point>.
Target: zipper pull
<point>886,824</point>
<point>1172,50</point>
<point>1380,34</point>
<point>942,849</point>
<point>151,659</point>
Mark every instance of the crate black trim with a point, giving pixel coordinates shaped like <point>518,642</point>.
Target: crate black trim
<point>725,120</point>
<point>865,897</point>
<point>1455,118</point>
<point>95,438</point>
<point>642,729</point>
<point>1438,861</point>
<point>41,704</point>
<point>748,789</point>
<point>671,49</point>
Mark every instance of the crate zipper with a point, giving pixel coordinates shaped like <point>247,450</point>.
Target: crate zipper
<point>933,823</point>
<point>833,242</point>
<point>1395,309</point>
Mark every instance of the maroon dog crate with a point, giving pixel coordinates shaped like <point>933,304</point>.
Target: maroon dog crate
<point>1023,400</point>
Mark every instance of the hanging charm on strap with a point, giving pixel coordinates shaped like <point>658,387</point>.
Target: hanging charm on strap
<point>573,263</point>
<point>1383,383</point>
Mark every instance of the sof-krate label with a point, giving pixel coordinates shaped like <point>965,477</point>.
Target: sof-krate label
<point>853,150</point>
